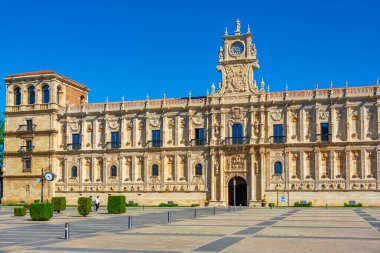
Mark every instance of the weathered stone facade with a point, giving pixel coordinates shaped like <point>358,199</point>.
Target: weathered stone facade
<point>319,145</point>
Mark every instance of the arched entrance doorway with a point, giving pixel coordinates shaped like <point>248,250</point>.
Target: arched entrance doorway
<point>240,190</point>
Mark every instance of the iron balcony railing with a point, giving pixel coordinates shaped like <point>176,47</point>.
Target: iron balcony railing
<point>113,145</point>
<point>26,149</point>
<point>198,142</point>
<point>154,143</point>
<point>74,146</point>
<point>323,137</point>
<point>277,139</point>
<point>236,140</point>
<point>26,128</point>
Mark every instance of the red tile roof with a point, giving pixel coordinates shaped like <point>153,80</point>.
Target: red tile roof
<point>41,72</point>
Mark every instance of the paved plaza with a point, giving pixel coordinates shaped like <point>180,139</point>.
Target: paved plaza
<point>246,230</point>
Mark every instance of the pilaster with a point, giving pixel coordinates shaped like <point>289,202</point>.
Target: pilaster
<point>316,167</point>
<point>348,167</point>
<point>221,176</point>
<point>362,163</point>
<point>213,176</point>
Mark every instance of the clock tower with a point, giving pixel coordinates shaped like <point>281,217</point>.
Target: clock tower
<point>237,63</point>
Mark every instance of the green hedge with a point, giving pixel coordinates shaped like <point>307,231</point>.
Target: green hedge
<point>353,205</point>
<point>41,211</point>
<point>168,205</point>
<point>116,204</point>
<point>36,201</point>
<point>131,204</point>
<point>298,204</point>
<point>59,203</point>
<point>271,205</point>
<point>19,211</point>
<point>84,205</point>
<point>194,205</point>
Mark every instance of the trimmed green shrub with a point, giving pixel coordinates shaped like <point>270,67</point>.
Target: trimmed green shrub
<point>36,201</point>
<point>84,205</point>
<point>131,204</point>
<point>271,204</point>
<point>298,204</point>
<point>41,211</point>
<point>19,211</point>
<point>59,203</point>
<point>168,205</point>
<point>353,205</point>
<point>116,204</point>
<point>194,205</point>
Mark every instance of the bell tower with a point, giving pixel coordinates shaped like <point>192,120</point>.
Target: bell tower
<point>237,63</point>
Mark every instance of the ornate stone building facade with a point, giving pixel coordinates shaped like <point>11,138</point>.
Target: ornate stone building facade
<point>319,145</point>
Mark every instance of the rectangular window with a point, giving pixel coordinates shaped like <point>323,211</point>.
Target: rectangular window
<point>27,163</point>
<point>199,136</point>
<point>76,141</point>
<point>29,125</point>
<point>29,146</point>
<point>324,131</point>
<point>277,134</point>
<point>156,138</point>
<point>115,140</point>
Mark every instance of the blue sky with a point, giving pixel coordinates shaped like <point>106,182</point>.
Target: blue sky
<point>132,48</point>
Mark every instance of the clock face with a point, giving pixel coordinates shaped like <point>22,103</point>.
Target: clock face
<point>237,49</point>
<point>49,176</point>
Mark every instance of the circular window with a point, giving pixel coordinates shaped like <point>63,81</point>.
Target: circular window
<point>237,48</point>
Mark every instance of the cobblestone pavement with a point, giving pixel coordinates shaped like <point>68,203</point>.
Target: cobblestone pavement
<point>190,230</point>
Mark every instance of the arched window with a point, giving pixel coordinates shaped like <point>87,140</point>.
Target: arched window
<point>237,134</point>
<point>17,92</point>
<point>45,94</point>
<point>31,95</point>
<point>74,171</point>
<point>198,169</point>
<point>113,171</point>
<point>277,168</point>
<point>155,170</point>
<point>81,99</point>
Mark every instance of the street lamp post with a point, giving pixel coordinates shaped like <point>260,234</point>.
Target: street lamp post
<point>234,182</point>
<point>42,185</point>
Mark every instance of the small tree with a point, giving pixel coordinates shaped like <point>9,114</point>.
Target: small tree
<point>116,204</point>
<point>84,206</point>
<point>19,211</point>
<point>59,203</point>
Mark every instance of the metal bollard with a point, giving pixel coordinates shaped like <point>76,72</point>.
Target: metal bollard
<point>240,207</point>
<point>144,207</point>
<point>168,217</point>
<point>195,213</point>
<point>326,206</point>
<point>129,222</point>
<point>214,210</point>
<point>67,231</point>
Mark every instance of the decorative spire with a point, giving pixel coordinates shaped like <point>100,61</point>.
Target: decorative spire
<point>212,88</point>
<point>207,94</point>
<point>226,32</point>
<point>331,85</point>
<point>147,96</point>
<point>377,81</point>
<point>262,84</point>
<point>164,96</point>
<point>316,87</point>
<point>220,54</point>
<point>106,99</point>
<point>237,31</point>
<point>346,83</point>
<point>286,87</point>
<point>248,29</point>
<point>189,94</point>
<point>122,98</point>
<point>268,88</point>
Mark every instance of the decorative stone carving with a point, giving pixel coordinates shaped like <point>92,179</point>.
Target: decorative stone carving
<point>277,115</point>
<point>197,120</point>
<point>74,126</point>
<point>324,115</point>
<point>236,162</point>
<point>154,123</point>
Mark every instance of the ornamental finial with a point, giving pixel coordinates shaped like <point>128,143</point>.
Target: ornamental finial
<point>212,88</point>
<point>268,88</point>
<point>377,81</point>
<point>262,84</point>
<point>147,96</point>
<point>164,96</point>
<point>237,31</point>
<point>248,29</point>
<point>122,98</point>
<point>316,86</point>
<point>106,99</point>
<point>346,83</point>
<point>331,85</point>
<point>190,94</point>
<point>286,87</point>
<point>226,32</point>
<point>207,94</point>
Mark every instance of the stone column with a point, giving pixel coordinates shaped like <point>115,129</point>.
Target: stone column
<point>94,134</point>
<point>263,171</point>
<point>188,169</point>
<point>105,131</point>
<point>252,175</point>
<point>252,126</point>
<point>332,123</point>
<point>104,171</point>
<point>302,165</point>
<point>212,130</point>
<point>348,131</point>
<point>66,171</point>
<point>348,169</point>
<point>316,167</point>
<point>121,171</point>
<point>145,171</point>
<point>287,125</point>
<point>377,176</point>
<point>262,125</point>
<point>81,168</point>
<point>133,169</point>
<point>221,176</point>
<point>134,132</point>
<point>176,130</point>
<point>163,129</point>
<point>83,133</point>
<point>301,125</point>
<point>317,124</point>
<point>378,118</point>
<point>362,163</point>
<point>332,165</point>
<point>286,168</point>
<point>362,122</point>
<point>175,172</point>
<point>122,132</point>
<point>213,176</point>
<point>224,127</point>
